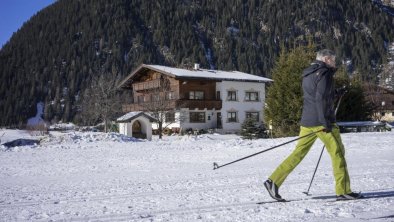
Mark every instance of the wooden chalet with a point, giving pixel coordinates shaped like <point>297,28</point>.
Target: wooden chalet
<point>382,100</point>
<point>198,97</point>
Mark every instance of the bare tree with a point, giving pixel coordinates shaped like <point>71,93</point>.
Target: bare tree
<point>375,95</point>
<point>101,101</point>
<point>387,76</point>
<point>161,103</point>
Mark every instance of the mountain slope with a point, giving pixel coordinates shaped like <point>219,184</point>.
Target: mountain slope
<point>55,54</point>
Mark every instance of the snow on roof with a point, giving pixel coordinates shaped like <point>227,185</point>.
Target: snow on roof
<point>209,74</point>
<point>131,115</point>
<point>128,116</point>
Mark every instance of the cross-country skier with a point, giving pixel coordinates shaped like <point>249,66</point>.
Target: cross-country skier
<point>318,115</point>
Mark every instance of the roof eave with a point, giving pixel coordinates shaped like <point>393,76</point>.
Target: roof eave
<point>221,79</point>
<point>151,119</point>
<point>122,84</point>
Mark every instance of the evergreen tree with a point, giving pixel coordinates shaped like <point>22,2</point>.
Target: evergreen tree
<point>57,47</point>
<point>354,105</point>
<point>251,130</point>
<point>284,97</point>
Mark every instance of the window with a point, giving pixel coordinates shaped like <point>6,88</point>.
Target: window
<point>231,95</point>
<point>196,95</point>
<point>383,113</point>
<point>197,117</point>
<point>253,115</point>
<point>155,97</point>
<point>140,99</point>
<point>170,117</point>
<point>218,95</point>
<point>232,117</point>
<point>170,95</point>
<point>251,96</point>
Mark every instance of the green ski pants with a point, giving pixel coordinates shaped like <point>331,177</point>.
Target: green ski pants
<point>335,148</point>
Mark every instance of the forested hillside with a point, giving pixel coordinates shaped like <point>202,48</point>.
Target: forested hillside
<point>54,56</point>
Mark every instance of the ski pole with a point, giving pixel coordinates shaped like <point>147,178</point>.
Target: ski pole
<point>216,166</point>
<point>321,153</point>
<point>310,184</point>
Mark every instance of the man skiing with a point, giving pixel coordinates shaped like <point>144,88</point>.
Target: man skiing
<point>318,115</point>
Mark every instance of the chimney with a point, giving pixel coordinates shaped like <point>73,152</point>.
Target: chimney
<point>196,66</point>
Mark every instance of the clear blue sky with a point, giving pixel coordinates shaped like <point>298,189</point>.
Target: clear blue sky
<point>13,13</point>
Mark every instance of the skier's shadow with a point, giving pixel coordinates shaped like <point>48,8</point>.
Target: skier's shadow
<point>368,195</point>
<point>381,194</point>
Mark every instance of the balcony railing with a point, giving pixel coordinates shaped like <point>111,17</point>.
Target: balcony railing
<point>199,104</point>
<point>153,84</point>
<point>147,106</point>
<point>174,104</point>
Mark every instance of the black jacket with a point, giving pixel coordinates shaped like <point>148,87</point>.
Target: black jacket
<point>319,95</point>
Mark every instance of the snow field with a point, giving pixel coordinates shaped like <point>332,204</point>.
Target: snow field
<point>77,176</point>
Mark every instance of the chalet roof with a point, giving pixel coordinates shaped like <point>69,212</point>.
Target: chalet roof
<point>133,115</point>
<point>198,74</point>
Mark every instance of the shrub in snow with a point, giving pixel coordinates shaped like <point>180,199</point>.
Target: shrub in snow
<point>38,129</point>
<point>251,130</point>
<point>62,126</point>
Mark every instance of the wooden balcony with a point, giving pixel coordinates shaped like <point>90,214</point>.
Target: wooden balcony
<point>199,104</point>
<point>146,106</point>
<point>174,104</point>
<point>141,86</point>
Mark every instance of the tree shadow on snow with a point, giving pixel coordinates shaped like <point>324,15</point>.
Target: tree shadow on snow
<point>20,142</point>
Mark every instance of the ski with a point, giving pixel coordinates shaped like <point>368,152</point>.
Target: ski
<point>328,198</point>
<point>274,201</point>
<point>284,201</point>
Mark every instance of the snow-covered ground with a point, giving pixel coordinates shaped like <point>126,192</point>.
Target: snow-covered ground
<point>77,176</point>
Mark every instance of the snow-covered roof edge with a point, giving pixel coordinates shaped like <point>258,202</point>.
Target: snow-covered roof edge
<point>133,115</point>
<point>199,74</point>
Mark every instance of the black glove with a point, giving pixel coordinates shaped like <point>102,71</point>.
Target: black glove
<point>327,129</point>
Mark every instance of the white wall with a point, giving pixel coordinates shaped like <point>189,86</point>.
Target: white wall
<point>170,125</point>
<point>240,106</point>
<point>210,119</point>
<point>125,129</point>
<point>146,127</point>
<point>183,120</point>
